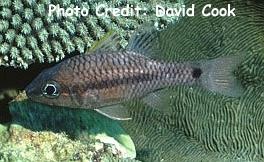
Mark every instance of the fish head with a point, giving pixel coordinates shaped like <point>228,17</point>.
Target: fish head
<point>47,88</point>
<point>62,85</point>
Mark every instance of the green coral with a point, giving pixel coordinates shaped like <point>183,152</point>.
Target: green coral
<point>28,34</point>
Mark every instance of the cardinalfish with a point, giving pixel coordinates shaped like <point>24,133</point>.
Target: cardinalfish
<point>108,77</point>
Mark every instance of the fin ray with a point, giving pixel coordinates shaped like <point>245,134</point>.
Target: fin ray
<point>144,41</point>
<point>115,112</point>
<point>109,42</point>
<point>218,75</point>
<point>159,100</point>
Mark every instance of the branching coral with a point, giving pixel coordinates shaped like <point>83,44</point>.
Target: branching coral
<point>28,34</point>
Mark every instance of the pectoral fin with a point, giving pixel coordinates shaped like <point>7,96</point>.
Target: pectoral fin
<point>115,112</point>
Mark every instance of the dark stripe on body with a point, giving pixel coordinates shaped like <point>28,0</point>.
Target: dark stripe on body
<point>121,81</point>
<point>139,78</point>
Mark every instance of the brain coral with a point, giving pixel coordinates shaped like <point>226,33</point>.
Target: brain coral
<point>204,126</point>
<point>28,34</point>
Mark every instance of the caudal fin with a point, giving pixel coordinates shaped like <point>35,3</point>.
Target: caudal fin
<point>218,75</point>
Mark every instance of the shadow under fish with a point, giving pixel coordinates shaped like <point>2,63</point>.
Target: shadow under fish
<point>107,77</point>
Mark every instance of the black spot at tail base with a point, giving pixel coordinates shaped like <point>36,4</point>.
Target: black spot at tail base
<point>196,73</point>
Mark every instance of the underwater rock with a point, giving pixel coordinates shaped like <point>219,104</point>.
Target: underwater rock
<point>28,34</point>
<point>5,96</point>
<point>20,144</point>
<point>77,124</point>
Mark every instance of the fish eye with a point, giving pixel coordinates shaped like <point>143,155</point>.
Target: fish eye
<point>51,89</point>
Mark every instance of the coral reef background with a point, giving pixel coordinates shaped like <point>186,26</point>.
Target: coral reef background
<point>28,34</point>
<point>202,126</point>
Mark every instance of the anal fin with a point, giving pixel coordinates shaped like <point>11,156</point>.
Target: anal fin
<point>159,100</point>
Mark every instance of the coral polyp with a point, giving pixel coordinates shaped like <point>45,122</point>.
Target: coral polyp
<point>28,34</point>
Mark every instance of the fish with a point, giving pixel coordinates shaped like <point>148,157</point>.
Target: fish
<point>106,77</point>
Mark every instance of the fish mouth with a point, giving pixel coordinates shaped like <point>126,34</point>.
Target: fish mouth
<point>30,91</point>
<point>29,96</point>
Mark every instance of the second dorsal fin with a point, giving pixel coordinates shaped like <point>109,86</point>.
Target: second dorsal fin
<point>144,41</point>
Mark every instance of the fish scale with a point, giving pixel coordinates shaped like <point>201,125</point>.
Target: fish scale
<point>107,77</point>
<point>112,70</point>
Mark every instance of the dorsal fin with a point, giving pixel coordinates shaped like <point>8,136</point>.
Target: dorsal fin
<point>144,41</point>
<point>109,42</point>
